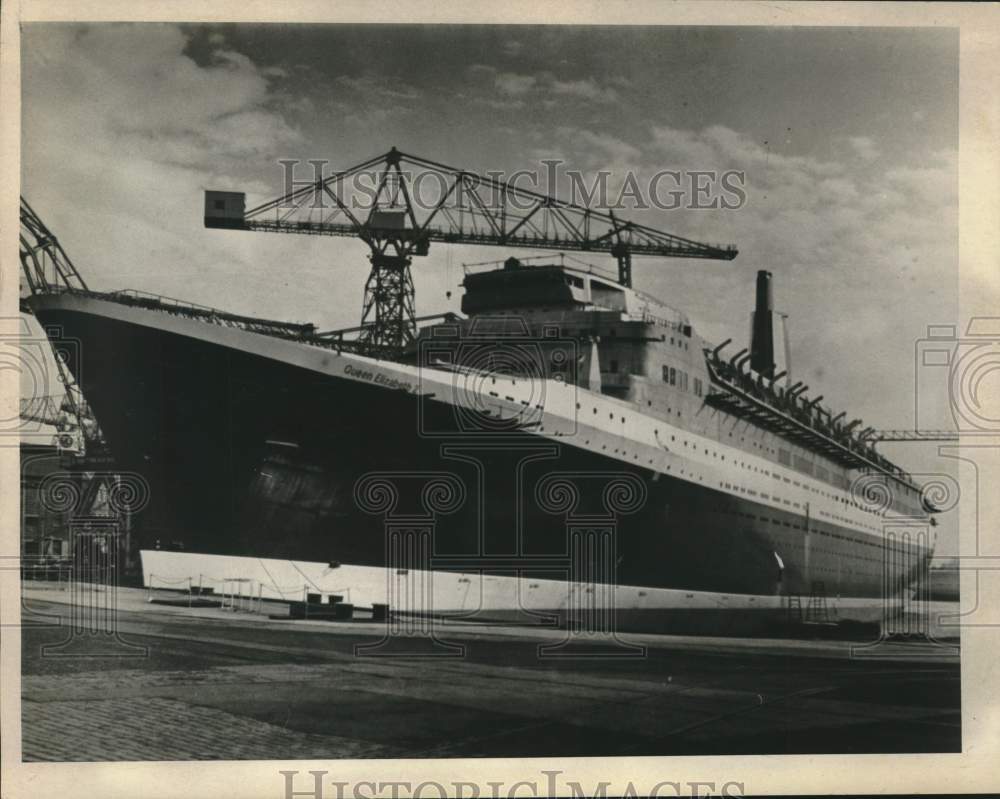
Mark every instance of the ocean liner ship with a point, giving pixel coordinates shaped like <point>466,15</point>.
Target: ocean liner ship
<point>567,437</point>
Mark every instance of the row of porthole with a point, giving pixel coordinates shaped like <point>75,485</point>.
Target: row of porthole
<point>845,520</point>
<point>801,544</point>
<point>744,465</point>
<point>723,457</point>
<point>773,451</point>
<point>833,553</point>
<point>817,530</point>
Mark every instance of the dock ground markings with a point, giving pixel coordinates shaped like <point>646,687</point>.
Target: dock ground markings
<point>298,689</point>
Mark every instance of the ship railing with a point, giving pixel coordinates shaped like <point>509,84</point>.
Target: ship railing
<point>303,331</point>
<point>234,593</point>
<point>742,393</point>
<point>298,331</point>
<point>161,299</point>
<point>234,598</point>
<point>577,265</point>
<point>338,335</point>
<point>670,324</point>
<point>193,310</point>
<point>184,584</point>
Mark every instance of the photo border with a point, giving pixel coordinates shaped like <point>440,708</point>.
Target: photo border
<point>979,242</point>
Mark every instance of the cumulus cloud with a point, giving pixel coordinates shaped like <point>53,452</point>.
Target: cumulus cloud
<point>480,70</point>
<point>544,87</point>
<point>380,86</point>
<point>500,104</point>
<point>584,89</point>
<point>606,146</point>
<point>831,230</point>
<point>122,130</point>
<point>864,147</point>
<point>511,83</point>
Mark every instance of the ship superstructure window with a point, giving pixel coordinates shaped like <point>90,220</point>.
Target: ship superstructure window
<point>614,366</point>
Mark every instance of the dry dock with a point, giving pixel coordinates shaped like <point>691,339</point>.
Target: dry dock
<point>209,683</point>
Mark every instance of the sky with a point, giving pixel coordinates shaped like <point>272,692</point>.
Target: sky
<point>848,139</point>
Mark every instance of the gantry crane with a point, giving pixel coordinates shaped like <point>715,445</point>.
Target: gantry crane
<point>44,263</point>
<point>909,435</point>
<point>468,209</point>
<point>46,267</point>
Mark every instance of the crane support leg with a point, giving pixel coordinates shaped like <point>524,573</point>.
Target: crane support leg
<point>387,316</point>
<point>622,252</point>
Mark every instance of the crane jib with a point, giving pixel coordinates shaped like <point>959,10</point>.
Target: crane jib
<point>471,209</point>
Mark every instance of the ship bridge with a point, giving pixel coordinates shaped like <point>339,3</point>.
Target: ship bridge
<point>520,287</point>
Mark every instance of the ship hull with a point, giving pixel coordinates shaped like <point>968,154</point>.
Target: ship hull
<point>265,448</point>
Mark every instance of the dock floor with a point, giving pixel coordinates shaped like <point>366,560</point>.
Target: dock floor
<point>181,683</point>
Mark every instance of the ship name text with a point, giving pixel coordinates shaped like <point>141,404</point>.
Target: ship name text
<point>378,378</point>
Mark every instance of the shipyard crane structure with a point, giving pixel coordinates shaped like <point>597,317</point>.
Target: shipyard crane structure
<point>909,435</point>
<point>44,263</point>
<point>397,222</point>
<point>45,267</point>
<point>76,428</point>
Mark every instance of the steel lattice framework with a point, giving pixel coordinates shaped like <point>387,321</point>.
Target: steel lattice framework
<point>467,209</point>
<point>43,261</point>
<point>911,435</point>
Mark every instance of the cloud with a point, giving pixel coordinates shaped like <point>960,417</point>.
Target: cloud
<point>193,103</point>
<point>831,230</point>
<point>380,86</point>
<point>584,89</point>
<point>512,84</point>
<point>544,87</point>
<point>601,150</point>
<point>933,184</point>
<point>480,70</point>
<point>864,147</point>
<point>122,131</point>
<point>500,104</point>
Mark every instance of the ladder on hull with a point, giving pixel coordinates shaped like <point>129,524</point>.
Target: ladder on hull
<point>816,610</point>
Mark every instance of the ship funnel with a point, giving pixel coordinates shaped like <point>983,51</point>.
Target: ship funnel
<point>769,347</point>
<point>762,327</point>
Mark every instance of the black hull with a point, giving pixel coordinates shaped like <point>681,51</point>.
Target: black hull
<point>247,455</point>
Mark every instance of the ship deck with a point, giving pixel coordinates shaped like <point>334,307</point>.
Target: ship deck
<point>174,685</point>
